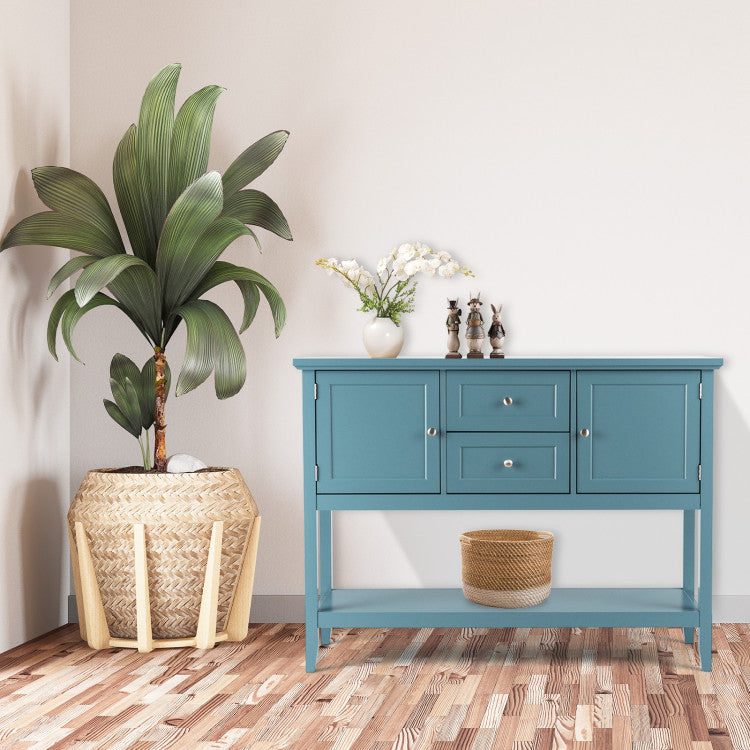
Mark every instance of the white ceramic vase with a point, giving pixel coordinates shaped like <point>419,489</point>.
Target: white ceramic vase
<point>382,338</point>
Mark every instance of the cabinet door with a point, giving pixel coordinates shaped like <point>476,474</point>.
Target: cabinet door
<point>644,431</point>
<point>372,432</point>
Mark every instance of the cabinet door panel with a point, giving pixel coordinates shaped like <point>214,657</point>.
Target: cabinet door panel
<point>644,431</point>
<point>372,432</point>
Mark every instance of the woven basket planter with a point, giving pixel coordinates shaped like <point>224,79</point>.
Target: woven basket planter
<point>506,567</point>
<point>163,560</point>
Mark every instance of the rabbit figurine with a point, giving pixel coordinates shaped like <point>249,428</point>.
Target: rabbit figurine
<point>497,333</point>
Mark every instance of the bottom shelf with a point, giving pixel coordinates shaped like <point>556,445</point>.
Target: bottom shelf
<point>584,608</point>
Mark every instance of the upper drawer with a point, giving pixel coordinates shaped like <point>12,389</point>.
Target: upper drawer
<point>517,401</point>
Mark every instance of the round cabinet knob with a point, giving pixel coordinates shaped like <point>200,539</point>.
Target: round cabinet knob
<point>585,432</point>
<point>507,400</point>
<point>432,432</point>
<point>507,463</point>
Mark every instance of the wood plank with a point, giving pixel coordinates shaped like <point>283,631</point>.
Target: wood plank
<point>380,689</point>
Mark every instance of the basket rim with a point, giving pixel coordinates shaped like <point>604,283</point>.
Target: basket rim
<point>120,471</point>
<point>539,536</point>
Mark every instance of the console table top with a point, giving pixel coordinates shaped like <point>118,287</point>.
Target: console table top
<point>513,363</point>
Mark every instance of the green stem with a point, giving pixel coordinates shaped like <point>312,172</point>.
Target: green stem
<point>148,451</point>
<point>143,453</point>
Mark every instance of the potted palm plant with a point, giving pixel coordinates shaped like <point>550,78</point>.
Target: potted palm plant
<point>160,556</point>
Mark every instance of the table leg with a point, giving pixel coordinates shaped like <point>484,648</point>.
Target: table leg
<point>688,562</point>
<point>311,588</point>
<point>325,562</point>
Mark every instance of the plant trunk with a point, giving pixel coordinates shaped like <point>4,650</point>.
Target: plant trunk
<point>160,426</point>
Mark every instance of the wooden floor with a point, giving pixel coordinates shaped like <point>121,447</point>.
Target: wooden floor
<point>473,688</point>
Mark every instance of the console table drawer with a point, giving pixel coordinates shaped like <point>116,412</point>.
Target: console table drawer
<point>499,462</point>
<point>521,401</point>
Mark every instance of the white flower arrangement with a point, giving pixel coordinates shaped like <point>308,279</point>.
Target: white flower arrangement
<point>390,291</point>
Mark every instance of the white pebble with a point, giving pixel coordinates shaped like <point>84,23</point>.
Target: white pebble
<point>181,463</point>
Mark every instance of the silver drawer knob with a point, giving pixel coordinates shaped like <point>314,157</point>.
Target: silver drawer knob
<point>432,432</point>
<point>507,400</point>
<point>585,432</point>
<point>507,463</point>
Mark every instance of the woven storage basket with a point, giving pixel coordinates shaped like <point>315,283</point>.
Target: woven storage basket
<point>506,567</point>
<point>178,512</point>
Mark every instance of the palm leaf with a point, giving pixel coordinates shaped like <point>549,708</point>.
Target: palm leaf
<point>256,208</point>
<point>114,411</point>
<point>253,161</point>
<point>102,272</point>
<point>191,215</point>
<point>153,144</point>
<point>201,257</point>
<point>222,272</point>
<point>59,230</point>
<point>127,190</point>
<point>73,194</point>
<point>139,292</point>
<point>191,140</point>
<point>122,367</point>
<point>67,313</point>
<point>67,270</point>
<point>212,344</point>
<point>126,398</point>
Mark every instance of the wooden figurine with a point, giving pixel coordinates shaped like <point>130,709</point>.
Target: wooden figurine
<point>452,323</point>
<point>475,329</point>
<point>497,333</point>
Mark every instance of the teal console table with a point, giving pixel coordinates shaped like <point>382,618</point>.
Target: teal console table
<point>624,433</point>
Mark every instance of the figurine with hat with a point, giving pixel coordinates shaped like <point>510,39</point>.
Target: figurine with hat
<point>475,328</point>
<point>452,323</point>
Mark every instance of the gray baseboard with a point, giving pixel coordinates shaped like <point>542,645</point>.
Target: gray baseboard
<point>291,608</point>
<point>265,608</point>
<point>731,608</point>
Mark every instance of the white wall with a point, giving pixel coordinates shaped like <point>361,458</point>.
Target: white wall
<point>34,389</point>
<point>589,160</point>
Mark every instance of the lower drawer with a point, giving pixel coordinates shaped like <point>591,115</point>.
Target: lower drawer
<point>508,462</point>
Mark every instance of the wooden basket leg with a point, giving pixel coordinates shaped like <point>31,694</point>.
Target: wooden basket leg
<point>142,599</point>
<point>97,631</point>
<point>77,582</point>
<point>205,637</point>
<point>239,615</point>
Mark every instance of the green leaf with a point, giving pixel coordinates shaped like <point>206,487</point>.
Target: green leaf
<point>251,297</point>
<point>153,145</point>
<point>73,313</point>
<point>122,367</point>
<point>212,343</point>
<point>196,261</point>
<point>55,316</point>
<point>147,391</point>
<point>191,139</point>
<point>190,216</point>
<point>126,399</point>
<point>59,230</point>
<point>73,194</point>
<point>114,411</point>
<point>101,273</point>
<point>253,161</point>
<point>222,272</point>
<point>66,309</point>
<point>67,270</point>
<point>256,208</point>
<point>127,190</point>
<point>139,293</point>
